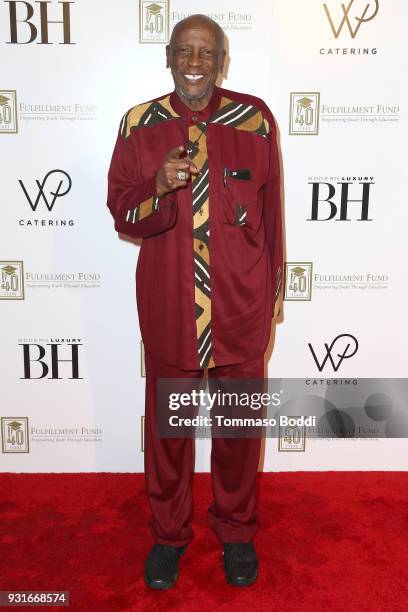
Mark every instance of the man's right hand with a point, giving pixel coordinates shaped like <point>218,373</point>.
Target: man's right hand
<point>176,160</point>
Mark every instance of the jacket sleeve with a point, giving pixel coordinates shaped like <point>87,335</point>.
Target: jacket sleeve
<point>272,215</point>
<point>137,210</point>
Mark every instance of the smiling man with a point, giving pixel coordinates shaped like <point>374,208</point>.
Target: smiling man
<point>195,173</point>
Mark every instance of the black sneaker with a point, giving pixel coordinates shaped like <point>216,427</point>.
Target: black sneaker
<point>162,566</point>
<point>240,563</point>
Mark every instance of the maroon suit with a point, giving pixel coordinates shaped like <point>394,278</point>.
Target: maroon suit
<point>208,275</point>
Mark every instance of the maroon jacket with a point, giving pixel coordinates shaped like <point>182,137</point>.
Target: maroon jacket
<point>210,265</point>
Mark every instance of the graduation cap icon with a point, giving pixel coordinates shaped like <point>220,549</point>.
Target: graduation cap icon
<point>154,8</point>
<point>3,100</point>
<point>305,102</point>
<point>9,269</point>
<point>14,425</point>
<point>298,271</point>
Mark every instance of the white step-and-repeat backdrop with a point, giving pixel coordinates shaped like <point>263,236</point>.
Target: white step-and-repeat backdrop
<point>333,73</point>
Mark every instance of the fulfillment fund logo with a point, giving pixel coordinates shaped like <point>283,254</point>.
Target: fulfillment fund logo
<point>342,347</point>
<point>154,21</point>
<point>8,111</point>
<point>349,19</point>
<point>55,184</point>
<point>55,359</point>
<point>324,191</point>
<point>301,281</point>
<point>11,280</point>
<point>298,281</point>
<point>14,435</point>
<point>304,113</point>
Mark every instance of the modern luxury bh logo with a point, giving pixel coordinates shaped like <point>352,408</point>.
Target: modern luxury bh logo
<point>31,21</point>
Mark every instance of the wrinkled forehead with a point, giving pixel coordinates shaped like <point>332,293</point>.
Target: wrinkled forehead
<point>198,31</point>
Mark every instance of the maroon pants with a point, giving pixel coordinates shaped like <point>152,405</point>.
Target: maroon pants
<point>169,468</point>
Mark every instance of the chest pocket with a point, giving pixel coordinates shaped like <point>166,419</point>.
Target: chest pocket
<point>241,201</point>
<point>244,162</point>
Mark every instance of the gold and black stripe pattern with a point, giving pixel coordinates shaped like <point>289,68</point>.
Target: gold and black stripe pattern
<point>241,116</point>
<point>278,284</point>
<point>240,214</point>
<point>146,115</point>
<point>144,209</point>
<point>201,244</point>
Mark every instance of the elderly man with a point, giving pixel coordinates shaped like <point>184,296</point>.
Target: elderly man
<point>195,173</point>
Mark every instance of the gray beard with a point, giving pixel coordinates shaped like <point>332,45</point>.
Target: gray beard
<point>195,98</point>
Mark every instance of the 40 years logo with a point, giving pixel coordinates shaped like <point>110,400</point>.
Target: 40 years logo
<point>11,280</point>
<point>15,435</point>
<point>8,111</point>
<point>154,21</point>
<point>304,113</point>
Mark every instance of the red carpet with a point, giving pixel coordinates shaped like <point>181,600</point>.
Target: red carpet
<point>328,541</point>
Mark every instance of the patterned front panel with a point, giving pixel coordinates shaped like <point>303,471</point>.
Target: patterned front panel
<point>201,245</point>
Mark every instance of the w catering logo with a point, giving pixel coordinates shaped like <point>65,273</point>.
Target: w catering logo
<point>368,13</point>
<point>343,347</point>
<point>61,183</point>
<point>55,184</point>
